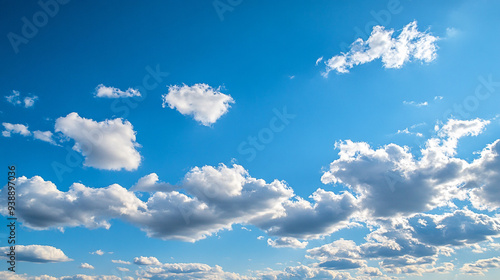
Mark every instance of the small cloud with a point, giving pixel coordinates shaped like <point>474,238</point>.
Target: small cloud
<point>286,242</point>
<point>244,228</point>
<point>120,262</point>
<point>291,77</point>
<point>98,252</point>
<point>45,136</point>
<point>438,97</point>
<point>319,60</point>
<point>16,99</point>
<point>38,254</point>
<point>86,266</point>
<point>416,104</point>
<point>123,269</point>
<point>204,103</point>
<point>112,92</point>
<point>260,237</point>
<point>16,129</point>
<point>146,261</point>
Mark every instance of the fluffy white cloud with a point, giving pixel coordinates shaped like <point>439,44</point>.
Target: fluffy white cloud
<point>287,242</point>
<point>42,206</point>
<point>38,254</point>
<point>390,181</point>
<point>109,144</point>
<point>304,272</point>
<point>98,252</point>
<point>112,92</point>
<point>45,136</point>
<point>16,99</point>
<point>411,44</point>
<point>86,266</point>
<point>204,103</point>
<point>151,183</point>
<point>481,266</point>
<point>15,128</point>
<point>146,261</point>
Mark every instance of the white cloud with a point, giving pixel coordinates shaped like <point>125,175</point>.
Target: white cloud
<point>458,228</point>
<point>42,206</point>
<point>146,261</point>
<point>411,44</point>
<point>98,252</point>
<point>110,144</point>
<point>370,271</point>
<point>120,262</point>
<point>481,266</point>
<point>204,103</point>
<point>287,242</point>
<point>38,254</point>
<point>390,181</point>
<point>86,266</point>
<point>416,104</point>
<point>45,136</point>
<point>16,99</point>
<point>124,269</point>
<point>151,183</point>
<point>319,60</point>
<point>112,92</point>
<point>16,129</point>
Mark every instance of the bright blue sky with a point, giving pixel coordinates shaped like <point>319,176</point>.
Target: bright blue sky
<point>261,54</point>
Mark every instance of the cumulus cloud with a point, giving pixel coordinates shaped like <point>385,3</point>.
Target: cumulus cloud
<point>391,181</point>
<point>458,228</point>
<point>16,99</point>
<point>15,129</point>
<point>146,261</point>
<point>112,92</point>
<point>286,242</point>
<point>86,266</point>
<point>411,44</point>
<point>204,103</point>
<point>98,252</point>
<point>110,144</point>
<point>38,254</point>
<point>42,206</point>
<point>151,183</point>
<point>481,266</point>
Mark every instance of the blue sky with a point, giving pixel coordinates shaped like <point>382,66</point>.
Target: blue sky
<point>252,140</point>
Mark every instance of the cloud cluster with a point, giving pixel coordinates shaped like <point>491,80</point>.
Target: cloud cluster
<point>204,103</point>
<point>16,99</point>
<point>23,130</point>
<point>286,242</point>
<point>411,44</point>
<point>481,266</point>
<point>390,181</point>
<point>112,92</point>
<point>110,144</point>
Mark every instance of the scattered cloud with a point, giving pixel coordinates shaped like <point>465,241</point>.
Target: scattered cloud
<point>481,266</point>
<point>416,104</point>
<point>45,136</point>
<point>319,60</point>
<point>98,252</point>
<point>120,262</point>
<point>452,32</point>
<point>146,261</point>
<point>38,254</point>
<point>110,144</point>
<point>204,103</point>
<point>411,44</point>
<point>286,242</point>
<point>86,266</point>
<point>16,99</point>
<point>15,129</point>
<point>124,269</point>
<point>112,92</point>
